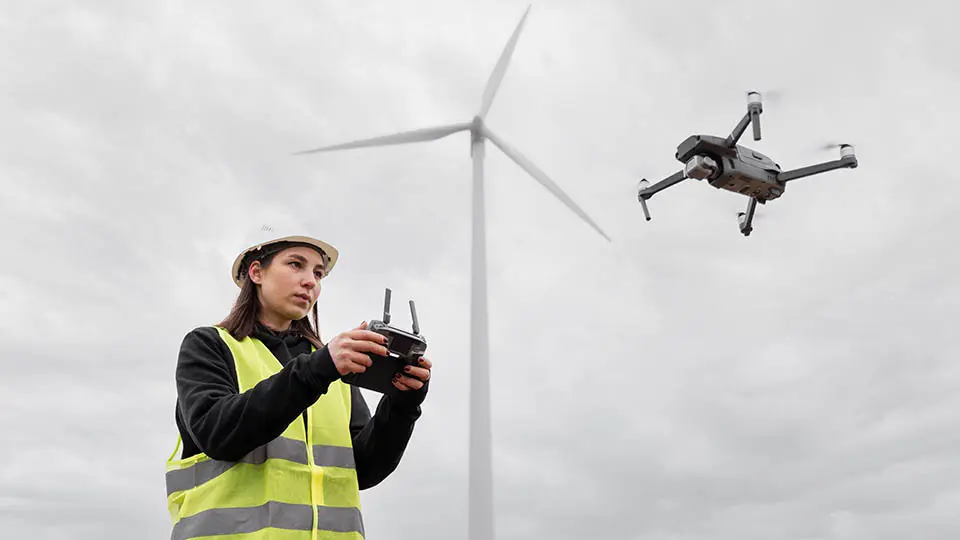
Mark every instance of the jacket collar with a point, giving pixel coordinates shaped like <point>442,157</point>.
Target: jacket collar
<point>269,336</point>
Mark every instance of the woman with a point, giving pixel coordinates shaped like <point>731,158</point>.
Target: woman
<point>272,438</point>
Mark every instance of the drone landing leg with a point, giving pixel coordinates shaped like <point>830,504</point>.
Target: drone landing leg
<point>755,120</point>
<point>646,211</point>
<point>746,218</point>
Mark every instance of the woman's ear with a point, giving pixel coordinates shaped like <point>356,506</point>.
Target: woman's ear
<point>255,272</point>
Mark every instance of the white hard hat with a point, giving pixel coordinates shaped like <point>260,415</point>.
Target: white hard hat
<point>267,236</point>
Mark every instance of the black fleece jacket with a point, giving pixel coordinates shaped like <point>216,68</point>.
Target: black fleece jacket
<point>214,418</point>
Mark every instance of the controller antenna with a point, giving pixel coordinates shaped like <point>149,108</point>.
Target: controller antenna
<point>386,306</point>
<point>413,315</point>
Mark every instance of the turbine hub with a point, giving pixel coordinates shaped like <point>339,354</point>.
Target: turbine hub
<point>476,129</point>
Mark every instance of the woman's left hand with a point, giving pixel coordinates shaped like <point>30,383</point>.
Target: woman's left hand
<point>414,377</point>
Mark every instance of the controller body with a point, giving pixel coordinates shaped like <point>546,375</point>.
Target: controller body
<point>401,344</point>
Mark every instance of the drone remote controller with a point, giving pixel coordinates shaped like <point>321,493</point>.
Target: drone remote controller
<point>407,346</point>
<point>404,348</point>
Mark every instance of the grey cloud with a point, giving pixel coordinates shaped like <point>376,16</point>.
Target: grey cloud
<point>681,382</point>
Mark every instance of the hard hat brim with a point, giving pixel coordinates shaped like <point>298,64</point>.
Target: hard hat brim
<point>331,253</point>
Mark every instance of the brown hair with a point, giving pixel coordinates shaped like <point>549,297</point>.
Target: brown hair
<point>246,310</point>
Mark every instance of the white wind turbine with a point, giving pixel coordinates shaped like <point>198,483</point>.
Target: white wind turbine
<point>481,475</point>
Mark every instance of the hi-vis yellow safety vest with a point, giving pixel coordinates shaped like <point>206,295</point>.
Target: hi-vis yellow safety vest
<point>300,486</point>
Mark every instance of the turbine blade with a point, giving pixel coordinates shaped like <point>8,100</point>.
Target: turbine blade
<point>493,83</point>
<point>405,137</point>
<point>541,177</point>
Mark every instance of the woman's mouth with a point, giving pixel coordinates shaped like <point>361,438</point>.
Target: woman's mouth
<point>303,297</point>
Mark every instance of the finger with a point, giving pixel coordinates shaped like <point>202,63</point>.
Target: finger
<point>353,367</point>
<point>410,383</point>
<point>367,347</point>
<point>355,357</point>
<point>418,372</point>
<point>425,362</point>
<point>399,385</point>
<point>360,327</point>
<point>366,335</point>
<point>356,368</point>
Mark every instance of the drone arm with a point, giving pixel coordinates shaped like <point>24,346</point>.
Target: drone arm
<point>647,192</point>
<point>845,162</point>
<point>674,178</point>
<point>738,131</point>
<point>754,108</point>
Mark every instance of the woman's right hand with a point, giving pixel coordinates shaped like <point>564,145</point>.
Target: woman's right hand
<point>349,350</point>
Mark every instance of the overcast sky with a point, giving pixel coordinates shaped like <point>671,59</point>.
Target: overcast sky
<point>681,382</point>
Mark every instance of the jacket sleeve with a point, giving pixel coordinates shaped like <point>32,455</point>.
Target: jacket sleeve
<point>226,424</point>
<point>379,441</point>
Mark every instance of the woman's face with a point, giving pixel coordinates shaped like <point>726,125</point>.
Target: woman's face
<point>289,285</point>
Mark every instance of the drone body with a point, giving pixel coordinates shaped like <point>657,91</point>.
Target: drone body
<point>724,164</point>
<point>737,169</point>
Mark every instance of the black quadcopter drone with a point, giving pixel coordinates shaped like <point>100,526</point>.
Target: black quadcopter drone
<point>726,165</point>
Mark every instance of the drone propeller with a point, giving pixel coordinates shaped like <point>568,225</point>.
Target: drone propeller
<point>846,149</point>
<point>774,95</point>
<point>832,145</point>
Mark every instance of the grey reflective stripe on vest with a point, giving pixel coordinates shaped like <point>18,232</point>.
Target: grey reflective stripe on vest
<point>277,515</point>
<point>333,456</point>
<point>204,471</point>
<point>279,448</point>
<point>340,519</point>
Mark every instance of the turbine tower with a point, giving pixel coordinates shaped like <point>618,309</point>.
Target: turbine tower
<point>481,475</point>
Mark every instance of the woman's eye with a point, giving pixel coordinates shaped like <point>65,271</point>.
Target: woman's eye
<point>295,264</point>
